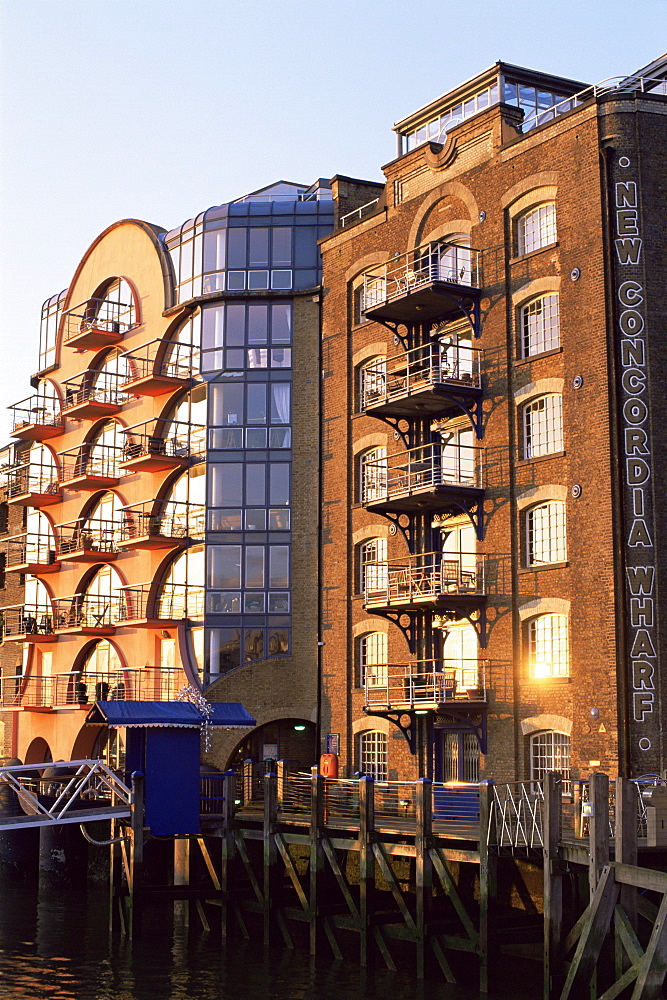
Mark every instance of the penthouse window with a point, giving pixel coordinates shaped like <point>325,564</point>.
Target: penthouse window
<point>545,534</point>
<point>540,325</point>
<point>536,228</point>
<point>543,426</point>
<point>548,646</point>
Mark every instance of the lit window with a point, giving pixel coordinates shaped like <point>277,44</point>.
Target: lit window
<point>548,646</point>
<point>543,426</point>
<point>373,565</point>
<point>373,659</point>
<point>540,326</point>
<point>373,755</point>
<point>373,475</point>
<point>545,534</point>
<point>550,751</point>
<point>536,229</point>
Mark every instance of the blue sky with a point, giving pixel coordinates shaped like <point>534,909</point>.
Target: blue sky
<point>156,109</point>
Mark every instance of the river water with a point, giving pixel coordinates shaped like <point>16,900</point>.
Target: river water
<point>54,945</point>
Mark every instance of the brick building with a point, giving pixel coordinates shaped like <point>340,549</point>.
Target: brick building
<point>163,491</point>
<point>493,372</point>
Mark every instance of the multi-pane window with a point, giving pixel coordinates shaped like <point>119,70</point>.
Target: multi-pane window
<point>548,646</point>
<point>250,496</point>
<point>373,475</point>
<point>550,751</point>
<point>229,647</point>
<point>543,426</point>
<point>51,313</point>
<point>250,415</point>
<point>545,534</point>
<point>251,336</point>
<point>249,579</point>
<point>540,326</point>
<point>373,659</point>
<point>373,565</point>
<point>373,755</point>
<point>536,228</point>
<point>372,382</point>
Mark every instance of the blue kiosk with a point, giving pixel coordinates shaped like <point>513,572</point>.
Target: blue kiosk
<point>163,743</point>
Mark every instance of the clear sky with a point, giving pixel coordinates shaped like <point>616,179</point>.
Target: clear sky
<point>156,109</point>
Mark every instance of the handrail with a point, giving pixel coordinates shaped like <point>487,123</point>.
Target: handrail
<point>595,90</point>
<point>91,459</point>
<point>440,262</point>
<point>160,358</point>
<point>433,364</point>
<point>162,602</point>
<point>428,574</point>
<point>94,386</point>
<point>87,315</point>
<point>30,547</point>
<point>41,410</point>
<point>83,687</point>
<point>432,681</point>
<point>166,518</point>
<point>93,534</point>
<point>357,212</point>
<point>429,466</point>
<point>172,438</point>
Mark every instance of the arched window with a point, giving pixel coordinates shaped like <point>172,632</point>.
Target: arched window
<point>452,260</point>
<point>372,382</point>
<point>373,659</point>
<point>540,325</point>
<point>548,646</point>
<point>536,228</point>
<point>373,565</point>
<point>550,751</point>
<point>543,426</point>
<point>102,674</point>
<point>545,534</point>
<point>373,754</point>
<point>373,475</point>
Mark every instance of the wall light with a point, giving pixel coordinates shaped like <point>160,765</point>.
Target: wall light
<point>299,729</point>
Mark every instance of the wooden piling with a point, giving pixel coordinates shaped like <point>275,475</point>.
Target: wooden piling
<point>316,867</point>
<point>625,852</point>
<point>270,852</point>
<point>553,883</point>
<point>598,828</point>
<point>227,848</point>
<point>366,863</point>
<point>423,867</point>
<point>488,880</point>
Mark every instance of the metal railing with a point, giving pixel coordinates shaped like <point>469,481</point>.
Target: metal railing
<point>94,460</point>
<point>411,685</point>
<point>427,467</point>
<point>427,575</point>
<point>86,611</point>
<point>163,518</point>
<point>162,602</point>
<point>98,314</point>
<point>32,477</point>
<point>160,358</point>
<point>40,411</point>
<point>104,387</point>
<point>448,263</point>
<point>164,438</point>
<point>519,814</point>
<point>358,213</point>
<point>25,619</point>
<point>29,548</point>
<point>91,535</point>
<point>76,688</point>
<point>644,84</point>
<point>421,368</point>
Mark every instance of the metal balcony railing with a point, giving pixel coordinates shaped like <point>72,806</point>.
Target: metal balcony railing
<point>32,478</point>
<point>644,84</point>
<point>39,413</point>
<point>168,439</point>
<point>110,318</point>
<point>162,602</point>
<point>102,389</point>
<point>358,213</point>
<point>76,688</point>
<point>422,368</point>
<point>92,535</point>
<point>30,549</point>
<point>423,577</point>
<point>161,359</point>
<point>87,611</point>
<point>409,685</point>
<point>447,263</point>
<point>26,620</point>
<point>421,469</point>
<point>91,461</point>
<point>163,519</point>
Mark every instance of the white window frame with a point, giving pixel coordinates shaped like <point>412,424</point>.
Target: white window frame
<point>546,537</point>
<point>372,384</point>
<point>373,655</point>
<point>373,566</point>
<point>548,646</point>
<point>543,426</point>
<point>539,322</point>
<point>550,751</point>
<point>536,228</point>
<point>373,480</point>
<point>373,754</point>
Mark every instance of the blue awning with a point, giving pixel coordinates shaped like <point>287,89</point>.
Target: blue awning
<point>182,714</point>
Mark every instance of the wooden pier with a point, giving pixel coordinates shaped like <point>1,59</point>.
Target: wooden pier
<point>385,871</point>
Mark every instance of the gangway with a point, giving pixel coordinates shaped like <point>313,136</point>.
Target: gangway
<point>76,791</point>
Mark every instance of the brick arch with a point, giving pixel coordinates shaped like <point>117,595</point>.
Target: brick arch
<point>538,494</point>
<point>546,723</point>
<point>452,189</point>
<point>538,286</point>
<point>544,606</point>
<point>369,441</point>
<point>369,625</point>
<point>366,725</point>
<point>542,186</point>
<point>542,387</point>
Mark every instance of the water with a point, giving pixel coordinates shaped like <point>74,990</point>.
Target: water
<point>54,945</point>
